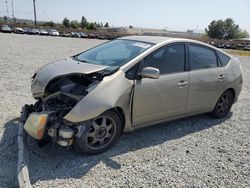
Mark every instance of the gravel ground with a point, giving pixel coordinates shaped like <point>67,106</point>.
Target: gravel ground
<point>192,152</point>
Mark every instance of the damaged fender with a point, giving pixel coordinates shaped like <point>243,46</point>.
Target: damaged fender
<point>105,97</point>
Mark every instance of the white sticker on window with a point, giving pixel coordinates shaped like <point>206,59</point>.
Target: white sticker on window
<point>141,45</point>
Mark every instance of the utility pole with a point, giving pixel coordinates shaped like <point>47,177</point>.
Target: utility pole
<point>34,4</point>
<point>13,14</point>
<point>7,8</point>
<point>165,31</point>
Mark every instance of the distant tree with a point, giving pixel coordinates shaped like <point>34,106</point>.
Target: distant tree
<point>49,24</point>
<point>101,25</point>
<point>91,26</point>
<point>226,29</point>
<point>66,22</point>
<point>106,24</point>
<point>131,27</point>
<point>1,20</point>
<point>5,18</point>
<point>84,22</point>
<point>190,31</point>
<point>215,29</point>
<point>242,34</point>
<point>231,29</point>
<point>74,24</point>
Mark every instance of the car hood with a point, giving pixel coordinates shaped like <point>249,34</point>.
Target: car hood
<point>60,68</point>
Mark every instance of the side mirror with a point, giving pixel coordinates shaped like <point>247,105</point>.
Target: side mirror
<point>150,72</point>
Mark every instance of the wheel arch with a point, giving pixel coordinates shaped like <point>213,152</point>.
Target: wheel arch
<point>121,114</point>
<point>232,90</point>
<point>221,111</point>
<point>228,89</point>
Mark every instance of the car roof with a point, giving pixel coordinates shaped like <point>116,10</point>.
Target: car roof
<point>158,40</point>
<point>148,39</point>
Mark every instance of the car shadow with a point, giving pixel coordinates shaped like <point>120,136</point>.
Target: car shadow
<point>8,155</point>
<point>54,162</point>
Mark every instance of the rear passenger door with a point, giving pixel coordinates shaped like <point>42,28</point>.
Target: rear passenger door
<point>205,86</point>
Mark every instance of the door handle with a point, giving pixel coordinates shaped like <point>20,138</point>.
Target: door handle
<point>182,83</point>
<point>221,77</point>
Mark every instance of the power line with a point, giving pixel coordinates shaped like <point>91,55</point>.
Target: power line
<point>42,10</point>
<point>24,12</point>
<point>13,14</point>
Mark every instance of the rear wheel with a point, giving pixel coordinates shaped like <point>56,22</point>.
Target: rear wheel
<point>102,134</point>
<point>223,105</point>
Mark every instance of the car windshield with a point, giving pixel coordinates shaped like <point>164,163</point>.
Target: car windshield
<point>5,27</point>
<point>115,53</point>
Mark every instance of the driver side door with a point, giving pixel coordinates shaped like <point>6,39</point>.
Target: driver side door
<point>166,97</point>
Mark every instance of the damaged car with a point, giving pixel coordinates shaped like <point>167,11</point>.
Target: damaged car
<point>89,99</point>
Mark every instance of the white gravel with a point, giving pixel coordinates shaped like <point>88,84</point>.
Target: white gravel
<point>192,152</point>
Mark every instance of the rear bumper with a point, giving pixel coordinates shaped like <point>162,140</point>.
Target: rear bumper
<point>23,153</point>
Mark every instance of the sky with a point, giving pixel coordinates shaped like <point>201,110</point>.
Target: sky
<point>178,15</point>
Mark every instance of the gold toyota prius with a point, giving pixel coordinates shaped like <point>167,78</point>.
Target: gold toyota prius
<point>89,99</point>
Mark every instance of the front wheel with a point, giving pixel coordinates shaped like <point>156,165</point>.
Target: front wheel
<point>102,134</point>
<point>223,105</point>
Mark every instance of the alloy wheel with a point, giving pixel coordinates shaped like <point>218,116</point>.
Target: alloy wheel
<point>224,103</point>
<point>101,132</point>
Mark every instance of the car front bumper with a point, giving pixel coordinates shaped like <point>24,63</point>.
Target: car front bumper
<point>23,152</point>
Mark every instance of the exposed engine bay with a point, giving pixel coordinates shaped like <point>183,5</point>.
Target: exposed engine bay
<point>62,94</point>
<point>46,117</point>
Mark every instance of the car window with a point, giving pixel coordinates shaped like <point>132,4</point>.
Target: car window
<point>131,74</point>
<point>224,59</point>
<point>117,52</point>
<point>201,57</point>
<point>169,59</point>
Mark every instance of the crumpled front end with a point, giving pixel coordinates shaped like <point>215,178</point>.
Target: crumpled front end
<point>67,104</point>
<point>44,121</point>
<point>46,117</point>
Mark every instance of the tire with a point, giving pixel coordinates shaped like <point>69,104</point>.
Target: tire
<point>223,105</point>
<point>102,134</point>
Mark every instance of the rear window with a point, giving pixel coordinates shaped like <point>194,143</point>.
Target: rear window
<point>224,59</point>
<point>201,57</point>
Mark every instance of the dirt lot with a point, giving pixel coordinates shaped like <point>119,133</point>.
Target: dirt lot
<point>192,152</point>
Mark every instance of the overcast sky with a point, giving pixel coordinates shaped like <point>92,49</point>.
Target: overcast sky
<point>174,14</point>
